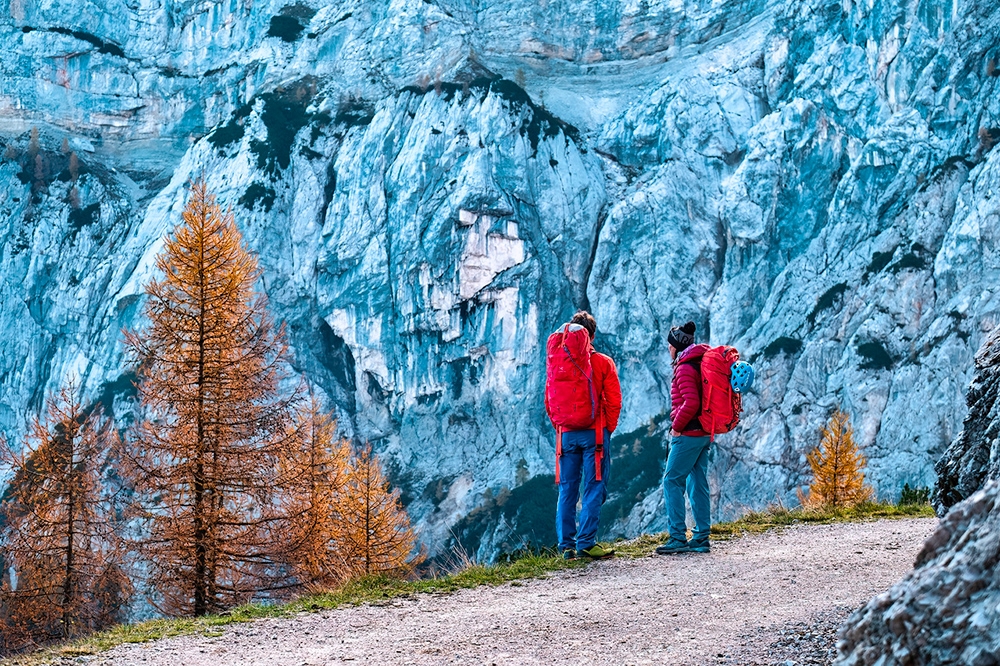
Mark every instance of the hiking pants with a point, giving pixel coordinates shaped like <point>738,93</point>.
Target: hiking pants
<point>576,464</point>
<point>688,457</point>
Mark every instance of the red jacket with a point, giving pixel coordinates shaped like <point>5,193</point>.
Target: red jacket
<point>607,387</point>
<point>685,392</point>
<point>609,390</point>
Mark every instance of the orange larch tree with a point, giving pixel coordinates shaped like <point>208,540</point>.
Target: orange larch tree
<point>313,481</point>
<point>376,534</point>
<point>203,458</point>
<point>837,464</point>
<point>59,538</point>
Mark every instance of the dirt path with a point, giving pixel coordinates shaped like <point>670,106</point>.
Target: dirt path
<point>765,599</point>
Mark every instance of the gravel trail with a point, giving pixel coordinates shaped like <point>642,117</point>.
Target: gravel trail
<point>773,598</point>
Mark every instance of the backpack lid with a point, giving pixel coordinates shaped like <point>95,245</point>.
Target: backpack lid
<point>570,327</point>
<point>693,353</point>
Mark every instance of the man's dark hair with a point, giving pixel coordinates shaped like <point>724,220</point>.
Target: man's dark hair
<point>585,319</point>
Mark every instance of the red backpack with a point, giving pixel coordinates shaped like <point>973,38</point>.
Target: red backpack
<point>570,395</point>
<point>720,404</point>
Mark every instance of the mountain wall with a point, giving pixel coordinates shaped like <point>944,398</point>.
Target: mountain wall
<point>433,186</point>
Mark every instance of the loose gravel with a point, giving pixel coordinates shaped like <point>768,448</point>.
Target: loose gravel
<point>773,598</point>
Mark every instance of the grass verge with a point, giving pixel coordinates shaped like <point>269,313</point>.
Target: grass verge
<point>379,589</point>
<point>372,589</point>
<point>775,517</point>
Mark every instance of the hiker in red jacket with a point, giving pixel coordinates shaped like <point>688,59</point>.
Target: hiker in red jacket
<point>580,453</point>
<point>689,447</point>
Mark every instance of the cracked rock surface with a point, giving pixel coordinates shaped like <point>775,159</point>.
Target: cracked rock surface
<point>974,456</point>
<point>948,609</point>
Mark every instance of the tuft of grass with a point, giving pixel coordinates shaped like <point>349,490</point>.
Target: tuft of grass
<point>382,589</point>
<point>757,522</point>
<point>776,517</point>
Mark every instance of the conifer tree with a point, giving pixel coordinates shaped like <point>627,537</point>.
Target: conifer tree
<point>837,464</point>
<point>62,561</point>
<point>203,460</point>
<point>376,532</point>
<point>313,480</point>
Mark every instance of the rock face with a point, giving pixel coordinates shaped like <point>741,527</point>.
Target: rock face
<point>948,610</point>
<point>974,456</point>
<point>432,187</point>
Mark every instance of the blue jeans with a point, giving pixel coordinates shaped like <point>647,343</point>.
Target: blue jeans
<point>688,457</point>
<point>577,461</point>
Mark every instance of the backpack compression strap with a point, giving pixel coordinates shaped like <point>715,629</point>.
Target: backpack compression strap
<point>598,447</point>
<point>558,451</point>
<point>711,428</point>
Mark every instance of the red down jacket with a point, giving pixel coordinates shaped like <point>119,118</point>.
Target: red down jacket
<point>685,392</point>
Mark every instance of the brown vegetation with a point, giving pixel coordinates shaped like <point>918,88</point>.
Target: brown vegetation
<point>239,491</point>
<point>376,531</point>
<point>837,464</point>
<point>202,460</point>
<point>58,535</point>
<point>313,479</point>
<point>342,518</point>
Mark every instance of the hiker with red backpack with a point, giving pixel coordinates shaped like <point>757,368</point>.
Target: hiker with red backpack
<point>583,399</point>
<point>705,400</point>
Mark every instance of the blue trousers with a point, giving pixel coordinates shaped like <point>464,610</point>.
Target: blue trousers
<point>687,464</point>
<point>576,464</point>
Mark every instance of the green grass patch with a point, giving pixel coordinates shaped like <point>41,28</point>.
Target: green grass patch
<point>382,589</point>
<point>756,522</point>
<point>775,517</point>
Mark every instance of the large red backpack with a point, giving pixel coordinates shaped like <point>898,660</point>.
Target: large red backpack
<point>720,404</point>
<point>570,395</point>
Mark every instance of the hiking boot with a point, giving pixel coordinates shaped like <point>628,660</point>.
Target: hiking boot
<point>699,546</point>
<point>569,554</point>
<point>673,546</point>
<point>597,552</point>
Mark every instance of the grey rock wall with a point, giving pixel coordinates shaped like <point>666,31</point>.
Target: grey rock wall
<point>974,456</point>
<point>948,610</point>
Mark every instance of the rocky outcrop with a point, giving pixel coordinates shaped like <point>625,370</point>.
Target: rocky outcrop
<point>432,187</point>
<point>974,456</point>
<point>948,610</point>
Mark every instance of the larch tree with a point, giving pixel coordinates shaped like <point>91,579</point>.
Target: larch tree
<point>62,559</point>
<point>837,464</point>
<point>313,481</point>
<point>376,535</point>
<point>203,458</point>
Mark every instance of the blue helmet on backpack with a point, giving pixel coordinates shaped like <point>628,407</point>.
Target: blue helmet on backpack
<point>742,376</point>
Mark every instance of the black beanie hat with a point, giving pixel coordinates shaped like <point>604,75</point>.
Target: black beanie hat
<point>681,337</point>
